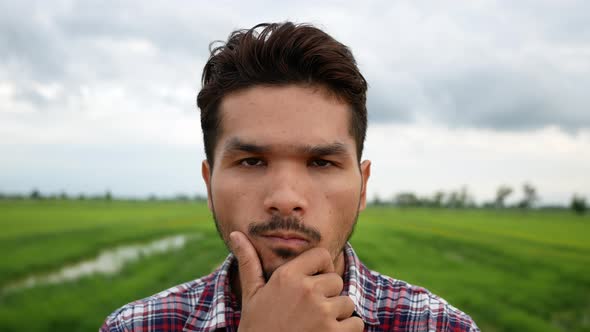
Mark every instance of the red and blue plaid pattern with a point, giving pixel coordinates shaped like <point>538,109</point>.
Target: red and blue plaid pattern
<point>207,304</point>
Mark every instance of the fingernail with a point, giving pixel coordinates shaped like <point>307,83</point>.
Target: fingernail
<point>235,240</point>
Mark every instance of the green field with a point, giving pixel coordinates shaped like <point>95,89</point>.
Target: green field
<point>510,270</point>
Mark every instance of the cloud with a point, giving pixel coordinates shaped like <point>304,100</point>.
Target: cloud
<point>480,65</point>
<point>125,75</point>
<point>505,66</point>
<point>509,99</point>
<point>426,158</point>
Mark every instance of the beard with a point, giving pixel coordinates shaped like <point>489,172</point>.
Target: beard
<point>290,223</point>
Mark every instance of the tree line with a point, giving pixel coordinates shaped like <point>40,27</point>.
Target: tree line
<point>462,198</point>
<point>454,199</point>
<point>36,194</point>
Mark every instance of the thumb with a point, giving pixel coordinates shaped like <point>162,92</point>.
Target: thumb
<point>250,269</point>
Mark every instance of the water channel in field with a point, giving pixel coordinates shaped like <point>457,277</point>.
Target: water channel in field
<point>109,262</point>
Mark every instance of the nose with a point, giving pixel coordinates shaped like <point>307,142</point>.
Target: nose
<point>286,193</point>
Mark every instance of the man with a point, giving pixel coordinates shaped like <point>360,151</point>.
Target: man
<point>284,119</point>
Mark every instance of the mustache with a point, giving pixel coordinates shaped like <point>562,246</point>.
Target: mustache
<point>290,223</point>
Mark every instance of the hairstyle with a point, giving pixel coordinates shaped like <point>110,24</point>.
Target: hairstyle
<point>281,54</point>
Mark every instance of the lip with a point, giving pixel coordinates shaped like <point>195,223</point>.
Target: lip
<point>286,239</point>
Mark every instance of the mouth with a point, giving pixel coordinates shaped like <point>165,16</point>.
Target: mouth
<point>286,239</point>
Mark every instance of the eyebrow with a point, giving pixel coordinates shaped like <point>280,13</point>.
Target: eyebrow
<point>324,150</point>
<point>237,145</point>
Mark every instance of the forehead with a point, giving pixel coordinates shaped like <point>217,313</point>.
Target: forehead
<point>285,116</point>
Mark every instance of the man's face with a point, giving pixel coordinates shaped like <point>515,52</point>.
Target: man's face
<point>286,172</point>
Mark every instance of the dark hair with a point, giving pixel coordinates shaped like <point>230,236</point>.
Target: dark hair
<point>280,54</point>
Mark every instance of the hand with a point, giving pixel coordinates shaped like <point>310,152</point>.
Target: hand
<point>301,295</point>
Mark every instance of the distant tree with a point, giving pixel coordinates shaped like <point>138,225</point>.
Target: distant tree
<point>529,196</point>
<point>460,199</point>
<point>438,198</point>
<point>501,194</point>
<point>181,197</point>
<point>489,205</point>
<point>465,198</point>
<point>108,196</point>
<point>200,198</point>
<point>406,199</point>
<point>452,200</point>
<point>376,200</point>
<point>578,204</point>
<point>81,197</point>
<point>35,194</point>
<point>63,195</point>
<point>424,201</point>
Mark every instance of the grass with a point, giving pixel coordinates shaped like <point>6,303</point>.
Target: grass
<point>42,235</point>
<point>511,271</point>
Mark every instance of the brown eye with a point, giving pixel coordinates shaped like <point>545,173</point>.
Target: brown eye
<point>251,162</point>
<point>321,163</point>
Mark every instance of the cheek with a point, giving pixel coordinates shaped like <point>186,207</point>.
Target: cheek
<point>340,208</point>
<point>342,197</point>
<point>343,208</point>
<point>233,203</point>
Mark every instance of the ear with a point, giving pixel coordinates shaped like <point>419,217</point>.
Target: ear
<point>206,174</point>
<point>365,173</point>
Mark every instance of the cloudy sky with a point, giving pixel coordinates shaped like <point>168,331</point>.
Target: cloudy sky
<point>98,95</point>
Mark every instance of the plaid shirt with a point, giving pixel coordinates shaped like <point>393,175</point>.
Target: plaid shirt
<point>207,304</point>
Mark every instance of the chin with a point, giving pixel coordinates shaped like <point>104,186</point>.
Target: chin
<point>271,264</point>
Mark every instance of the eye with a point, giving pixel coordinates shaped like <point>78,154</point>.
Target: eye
<point>321,163</point>
<point>252,162</point>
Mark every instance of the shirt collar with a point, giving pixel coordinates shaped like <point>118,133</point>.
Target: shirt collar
<point>217,312</point>
<point>359,286</point>
<point>356,285</point>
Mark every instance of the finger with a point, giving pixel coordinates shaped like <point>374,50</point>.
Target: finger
<point>352,324</point>
<point>327,284</point>
<point>312,262</point>
<point>250,269</point>
<point>341,306</point>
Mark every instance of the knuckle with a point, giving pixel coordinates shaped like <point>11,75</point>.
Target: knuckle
<point>348,301</point>
<point>324,254</point>
<point>316,288</point>
<point>332,326</point>
<point>346,306</point>
<point>282,273</point>
<point>358,323</point>
<point>334,280</point>
<point>308,288</point>
<point>243,262</point>
<point>338,280</point>
<point>324,309</point>
<point>350,306</point>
